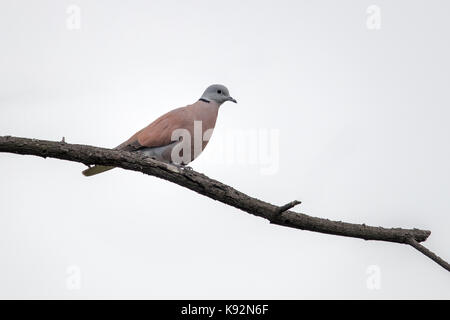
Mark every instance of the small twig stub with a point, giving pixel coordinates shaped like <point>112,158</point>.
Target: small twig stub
<point>288,206</point>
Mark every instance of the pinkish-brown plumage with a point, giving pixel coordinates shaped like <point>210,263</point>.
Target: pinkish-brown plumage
<point>159,132</point>
<point>158,140</point>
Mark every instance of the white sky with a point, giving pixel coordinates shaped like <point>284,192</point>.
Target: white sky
<point>362,117</point>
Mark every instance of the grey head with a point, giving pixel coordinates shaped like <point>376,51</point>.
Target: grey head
<point>217,93</point>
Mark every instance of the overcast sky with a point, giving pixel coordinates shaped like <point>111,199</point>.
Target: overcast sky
<point>342,105</point>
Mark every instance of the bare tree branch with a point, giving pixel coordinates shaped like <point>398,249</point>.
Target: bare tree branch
<point>216,190</point>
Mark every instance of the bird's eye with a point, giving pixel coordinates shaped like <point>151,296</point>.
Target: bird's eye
<point>219,91</point>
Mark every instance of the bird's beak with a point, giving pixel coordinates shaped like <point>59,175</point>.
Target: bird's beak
<point>232,99</point>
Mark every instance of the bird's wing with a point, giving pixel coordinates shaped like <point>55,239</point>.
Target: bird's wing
<point>159,132</point>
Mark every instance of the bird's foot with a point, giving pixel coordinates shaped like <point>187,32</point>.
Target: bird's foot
<point>182,167</point>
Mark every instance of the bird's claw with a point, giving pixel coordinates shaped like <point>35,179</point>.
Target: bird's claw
<point>182,167</point>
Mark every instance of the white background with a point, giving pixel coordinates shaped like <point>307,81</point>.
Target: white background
<point>363,118</point>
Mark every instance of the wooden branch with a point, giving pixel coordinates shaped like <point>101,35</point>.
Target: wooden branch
<point>213,189</point>
<point>444,264</point>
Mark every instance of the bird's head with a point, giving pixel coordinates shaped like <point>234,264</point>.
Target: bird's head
<point>217,93</point>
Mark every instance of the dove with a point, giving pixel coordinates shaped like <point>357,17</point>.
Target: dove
<point>180,135</point>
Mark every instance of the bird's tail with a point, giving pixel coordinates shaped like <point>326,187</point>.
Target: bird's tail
<point>96,170</point>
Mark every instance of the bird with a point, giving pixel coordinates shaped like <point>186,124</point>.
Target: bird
<point>174,137</point>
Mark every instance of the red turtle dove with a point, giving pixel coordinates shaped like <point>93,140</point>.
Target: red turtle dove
<point>178,136</point>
